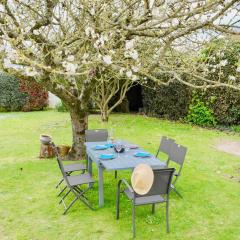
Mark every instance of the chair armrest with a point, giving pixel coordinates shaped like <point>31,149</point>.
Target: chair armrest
<point>126,184</point>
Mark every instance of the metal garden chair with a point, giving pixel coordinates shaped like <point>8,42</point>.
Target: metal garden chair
<point>159,193</point>
<point>74,184</point>
<point>165,146</point>
<point>69,169</point>
<point>177,155</point>
<point>97,135</point>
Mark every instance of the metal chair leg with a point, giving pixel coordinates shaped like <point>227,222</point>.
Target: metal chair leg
<point>115,174</point>
<point>118,202</point>
<point>167,220</point>
<point>153,208</point>
<point>133,220</point>
<point>64,196</point>
<point>70,205</point>
<point>175,190</point>
<point>62,191</point>
<point>59,183</point>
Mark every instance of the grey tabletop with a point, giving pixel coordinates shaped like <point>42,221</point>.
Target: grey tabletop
<point>125,160</point>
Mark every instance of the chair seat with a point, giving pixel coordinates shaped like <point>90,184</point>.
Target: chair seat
<point>74,167</point>
<point>144,200</point>
<point>80,179</point>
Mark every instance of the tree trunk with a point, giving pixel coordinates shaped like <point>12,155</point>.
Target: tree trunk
<point>79,125</point>
<point>104,115</point>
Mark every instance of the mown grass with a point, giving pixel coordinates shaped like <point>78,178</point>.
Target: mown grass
<point>29,206</point>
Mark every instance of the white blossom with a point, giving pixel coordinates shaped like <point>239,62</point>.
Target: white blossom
<point>133,54</point>
<point>71,58</point>
<point>231,78</point>
<point>70,67</point>
<point>129,44</point>
<point>135,69</point>
<point>36,32</point>
<point>134,78</point>
<point>107,59</point>
<point>92,11</point>
<point>129,73</point>
<point>89,31</point>
<point>121,71</point>
<point>31,72</point>
<point>238,69</point>
<point>223,63</point>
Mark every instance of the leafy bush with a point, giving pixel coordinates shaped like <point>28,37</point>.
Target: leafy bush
<point>21,95</point>
<point>61,107</point>
<point>37,97</point>
<point>11,99</point>
<point>166,101</point>
<point>199,113</point>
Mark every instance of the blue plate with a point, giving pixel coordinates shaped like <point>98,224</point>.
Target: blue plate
<point>107,156</point>
<point>109,145</point>
<point>100,147</point>
<point>142,154</point>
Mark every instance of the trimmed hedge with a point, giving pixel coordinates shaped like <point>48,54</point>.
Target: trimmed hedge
<point>21,95</point>
<point>169,102</point>
<point>11,99</point>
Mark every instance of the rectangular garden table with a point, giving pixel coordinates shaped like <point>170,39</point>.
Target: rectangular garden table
<point>123,161</point>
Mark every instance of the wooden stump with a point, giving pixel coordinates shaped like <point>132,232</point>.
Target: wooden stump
<point>46,151</point>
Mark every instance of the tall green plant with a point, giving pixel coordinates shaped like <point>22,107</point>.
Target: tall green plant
<point>200,114</point>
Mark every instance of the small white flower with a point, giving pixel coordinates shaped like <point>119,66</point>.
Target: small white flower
<point>31,72</point>
<point>223,63</point>
<point>85,56</point>
<point>238,69</point>
<point>133,54</point>
<point>70,67</point>
<point>129,44</point>
<point>121,71</point>
<point>92,11</point>
<point>135,69</point>
<point>129,73</point>
<point>70,58</point>
<point>89,31</point>
<point>36,32</point>
<point>231,78</point>
<point>107,59</point>
<point>134,78</point>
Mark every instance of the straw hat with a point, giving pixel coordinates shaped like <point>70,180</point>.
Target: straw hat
<point>142,178</point>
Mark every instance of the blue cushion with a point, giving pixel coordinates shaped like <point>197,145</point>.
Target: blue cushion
<point>142,154</point>
<point>107,156</point>
<point>100,147</point>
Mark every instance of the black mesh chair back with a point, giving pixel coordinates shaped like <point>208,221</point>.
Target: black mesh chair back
<point>161,183</point>
<point>165,145</point>
<point>178,153</point>
<point>96,135</point>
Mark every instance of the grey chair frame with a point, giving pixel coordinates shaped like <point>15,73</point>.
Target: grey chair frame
<point>159,193</point>
<point>177,155</point>
<point>69,169</point>
<point>74,183</point>
<point>97,135</point>
<point>165,146</point>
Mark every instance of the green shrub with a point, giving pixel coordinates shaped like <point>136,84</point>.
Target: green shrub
<point>11,99</point>
<point>61,107</point>
<point>200,114</point>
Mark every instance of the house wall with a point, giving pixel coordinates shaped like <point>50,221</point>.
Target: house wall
<point>53,100</point>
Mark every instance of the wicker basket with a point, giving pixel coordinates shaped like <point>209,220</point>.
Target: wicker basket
<point>63,150</point>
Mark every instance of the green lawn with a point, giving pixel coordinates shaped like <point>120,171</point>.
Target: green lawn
<point>29,206</point>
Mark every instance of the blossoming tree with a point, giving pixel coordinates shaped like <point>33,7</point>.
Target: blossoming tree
<point>77,48</point>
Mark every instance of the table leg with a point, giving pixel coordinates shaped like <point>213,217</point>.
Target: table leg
<point>89,168</point>
<point>100,186</point>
